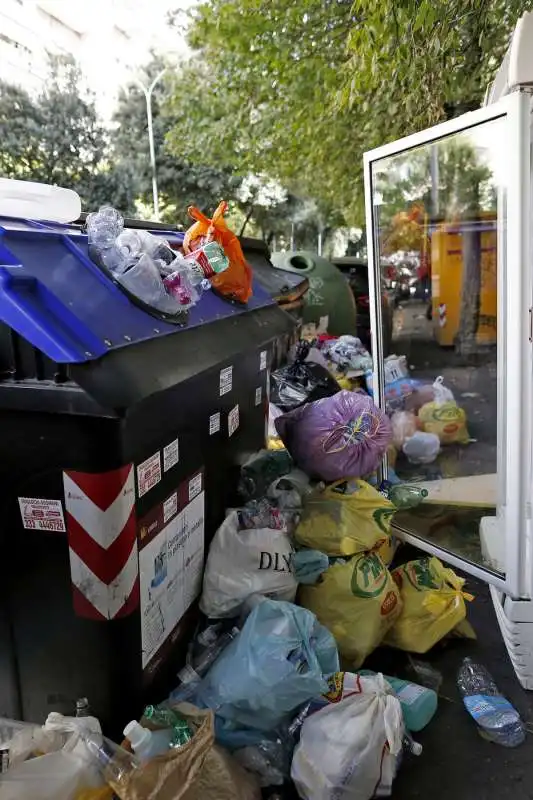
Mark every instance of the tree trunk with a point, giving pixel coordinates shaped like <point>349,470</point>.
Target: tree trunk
<point>466,342</point>
<point>247,219</point>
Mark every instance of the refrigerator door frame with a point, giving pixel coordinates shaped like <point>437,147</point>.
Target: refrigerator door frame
<point>514,341</point>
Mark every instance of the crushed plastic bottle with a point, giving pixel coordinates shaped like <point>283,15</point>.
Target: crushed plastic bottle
<point>404,495</point>
<point>167,717</point>
<point>200,661</point>
<point>115,764</point>
<point>103,229</point>
<point>497,720</point>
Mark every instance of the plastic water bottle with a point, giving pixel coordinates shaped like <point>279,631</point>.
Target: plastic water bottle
<point>115,764</point>
<point>405,496</point>
<point>497,720</point>
<point>148,744</point>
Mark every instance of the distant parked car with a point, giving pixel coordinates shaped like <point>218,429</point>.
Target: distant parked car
<point>356,272</point>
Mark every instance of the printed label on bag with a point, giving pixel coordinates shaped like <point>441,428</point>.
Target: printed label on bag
<point>42,515</point>
<point>258,395</point>
<point>226,380</point>
<point>233,420</point>
<point>171,455</point>
<point>214,423</point>
<point>149,474</point>
<point>262,360</point>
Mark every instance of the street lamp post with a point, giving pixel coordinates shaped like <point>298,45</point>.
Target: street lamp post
<point>148,97</point>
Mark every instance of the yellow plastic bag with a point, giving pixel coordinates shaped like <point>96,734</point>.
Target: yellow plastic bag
<point>433,604</point>
<point>344,522</point>
<point>358,601</point>
<point>447,420</point>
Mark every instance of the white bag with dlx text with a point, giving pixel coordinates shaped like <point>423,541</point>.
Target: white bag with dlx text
<point>242,563</point>
<point>350,749</point>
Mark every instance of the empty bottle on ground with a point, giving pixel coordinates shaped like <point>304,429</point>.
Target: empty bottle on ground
<point>497,720</point>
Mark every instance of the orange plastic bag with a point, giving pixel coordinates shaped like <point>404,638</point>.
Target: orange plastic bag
<point>235,282</point>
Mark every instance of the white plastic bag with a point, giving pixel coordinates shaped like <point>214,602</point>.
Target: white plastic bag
<point>422,448</point>
<point>350,750</point>
<point>442,393</point>
<point>65,769</point>
<point>243,563</point>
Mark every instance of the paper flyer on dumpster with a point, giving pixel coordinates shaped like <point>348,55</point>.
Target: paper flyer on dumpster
<point>171,556</point>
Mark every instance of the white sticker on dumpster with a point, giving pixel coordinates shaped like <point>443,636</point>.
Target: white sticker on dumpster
<point>170,570</point>
<point>233,420</point>
<point>149,473</point>
<point>263,360</point>
<point>226,380</point>
<point>40,514</point>
<point>214,423</point>
<point>171,455</point>
<point>258,395</point>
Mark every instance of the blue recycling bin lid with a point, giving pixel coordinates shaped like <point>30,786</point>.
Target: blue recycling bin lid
<point>57,298</point>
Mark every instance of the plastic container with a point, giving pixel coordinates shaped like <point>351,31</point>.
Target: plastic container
<point>115,763</point>
<point>147,744</point>
<point>38,200</point>
<point>497,720</point>
<point>418,703</point>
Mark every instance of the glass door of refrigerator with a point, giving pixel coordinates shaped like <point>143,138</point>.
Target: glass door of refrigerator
<point>439,206</point>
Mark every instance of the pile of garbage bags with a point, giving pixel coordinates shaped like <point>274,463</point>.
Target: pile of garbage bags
<point>419,418</point>
<point>297,581</point>
<point>423,416</point>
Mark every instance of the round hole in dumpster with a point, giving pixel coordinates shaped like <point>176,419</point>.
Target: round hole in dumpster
<point>301,262</point>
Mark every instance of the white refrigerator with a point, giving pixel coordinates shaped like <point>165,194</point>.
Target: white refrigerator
<point>449,231</point>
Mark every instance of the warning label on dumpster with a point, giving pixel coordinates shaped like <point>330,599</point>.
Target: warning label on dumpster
<point>42,515</point>
<point>171,558</point>
<point>149,474</point>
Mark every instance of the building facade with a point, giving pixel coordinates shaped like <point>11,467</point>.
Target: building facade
<point>110,39</point>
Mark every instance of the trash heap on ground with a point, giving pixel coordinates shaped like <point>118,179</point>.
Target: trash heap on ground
<point>297,593</point>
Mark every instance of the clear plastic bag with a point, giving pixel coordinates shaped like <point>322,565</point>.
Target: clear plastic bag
<point>404,425</point>
<point>144,281</point>
<point>273,667</point>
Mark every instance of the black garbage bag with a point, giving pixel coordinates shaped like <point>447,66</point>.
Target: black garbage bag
<point>301,382</point>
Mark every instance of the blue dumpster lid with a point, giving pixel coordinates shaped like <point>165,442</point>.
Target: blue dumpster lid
<point>54,296</point>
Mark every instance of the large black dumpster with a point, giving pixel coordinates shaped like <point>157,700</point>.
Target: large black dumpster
<point>120,436</point>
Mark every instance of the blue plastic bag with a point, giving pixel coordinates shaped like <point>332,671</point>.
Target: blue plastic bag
<point>279,661</point>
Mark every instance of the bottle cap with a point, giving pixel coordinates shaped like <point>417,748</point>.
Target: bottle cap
<point>137,735</point>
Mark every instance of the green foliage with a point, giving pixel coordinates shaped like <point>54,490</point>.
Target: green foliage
<point>57,138</point>
<point>299,89</point>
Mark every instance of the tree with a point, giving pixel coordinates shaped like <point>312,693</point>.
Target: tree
<point>180,183</point>
<point>299,89</point>
<point>57,138</point>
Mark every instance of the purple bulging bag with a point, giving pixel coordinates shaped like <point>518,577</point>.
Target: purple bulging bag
<point>336,437</point>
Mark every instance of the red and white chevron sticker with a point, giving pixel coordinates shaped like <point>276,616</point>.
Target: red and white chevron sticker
<point>102,537</point>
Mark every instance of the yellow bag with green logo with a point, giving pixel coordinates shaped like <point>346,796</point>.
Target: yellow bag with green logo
<point>345,518</point>
<point>358,601</point>
<point>433,603</point>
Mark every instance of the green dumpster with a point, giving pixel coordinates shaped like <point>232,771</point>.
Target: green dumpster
<point>329,292</point>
